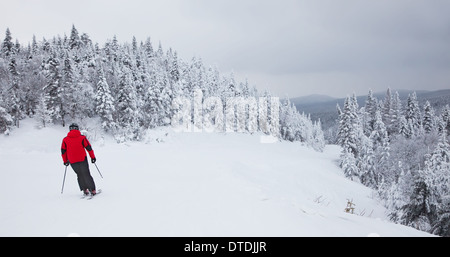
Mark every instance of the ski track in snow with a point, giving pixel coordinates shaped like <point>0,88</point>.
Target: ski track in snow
<point>193,184</point>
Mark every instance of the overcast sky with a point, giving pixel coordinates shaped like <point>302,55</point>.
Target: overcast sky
<point>291,47</point>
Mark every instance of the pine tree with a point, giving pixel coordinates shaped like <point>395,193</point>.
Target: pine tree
<point>126,107</point>
<point>14,101</point>
<point>149,49</point>
<point>166,98</point>
<point>160,52</point>
<point>212,82</point>
<point>74,41</point>
<point>379,134</point>
<point>444,123</point>
<point>158,100</point>
<point>396,194</point>
<point>387,107</point>
<point>396,115</point>
<point>134,45</point>
<point>105,103</point>
<point>431,189</point>
<point>213,120</point>
<point>428,118</point>
<point>247,111</point>
<point>438,167</point>
<point>380,144</point>
<point>404,129</point>
<point>318,136</point>
<point>43,115</point>
<point>6,120</point>
<point>370,108</point>
<point>173,68</point>
<point>151,104</point>
<point>349,127</point>
<point>70,93</point>
<point>413,115</point>
<point>288,120</point>
<point>7,45</point>
<point>442,225</point>
<point>34,46</point>
<point>53,90</point>
<point>367,171</point>
<point>348,164</point>
<point>418,211</point>
<point>387,110</point>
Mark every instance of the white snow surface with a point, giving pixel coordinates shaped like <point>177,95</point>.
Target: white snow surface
<point>184,184</point>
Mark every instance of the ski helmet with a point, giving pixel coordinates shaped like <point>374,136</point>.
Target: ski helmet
<point>74,126</point>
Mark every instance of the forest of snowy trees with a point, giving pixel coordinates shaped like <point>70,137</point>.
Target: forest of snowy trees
<point>399,149</point>
<point>130,88</point>
<point>403,152</point>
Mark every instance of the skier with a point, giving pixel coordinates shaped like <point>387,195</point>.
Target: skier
<point>73,153</point>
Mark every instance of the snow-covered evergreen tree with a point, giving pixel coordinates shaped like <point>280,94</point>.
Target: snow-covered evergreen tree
<point>5,120</point>
<point>295,126</point>
<point>53,90</point>
<point>380,146</point>
<point>420,209</point>
<point>396,115</point>
<point>318,136</point>
<point>429,122</point>
<point>396,193</point>
<point>105,103</point>
<point>366,164</point>
<point>370,109</point>
<point>437,167</point>
<point>74,41</point>
<point>405,128</point>
<point>379,135</point>
<point>43,114</point>
<point>126,107</point>
<point>444,122</point>
<point>350,127</point>
<point>288,120</point>
<point>213,120</point>
<point>413,114</point>
<point>14,101</point>
<point>7,45</point>
<point>442,225</point>
<point>70,93</point>
<point>349,165</point>
<point>387,110</point>
<point>148,49</point>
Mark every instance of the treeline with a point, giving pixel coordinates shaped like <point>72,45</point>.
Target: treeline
<point>403,152</point>
<point>129,87</point>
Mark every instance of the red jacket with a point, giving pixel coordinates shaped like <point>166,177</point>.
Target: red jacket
<point>72,148</point>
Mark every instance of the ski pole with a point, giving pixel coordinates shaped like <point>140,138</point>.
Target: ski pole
<point>64,179</point>
<point>98,170</point>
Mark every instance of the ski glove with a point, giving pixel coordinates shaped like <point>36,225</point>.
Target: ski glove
<point>93,160</point>
<point>66,164</point>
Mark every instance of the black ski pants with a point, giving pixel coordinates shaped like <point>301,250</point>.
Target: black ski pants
<point>85,180</point>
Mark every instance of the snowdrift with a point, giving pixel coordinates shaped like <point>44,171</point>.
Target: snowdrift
<point>184,184</point>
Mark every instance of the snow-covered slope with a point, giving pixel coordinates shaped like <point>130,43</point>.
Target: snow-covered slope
<point>192,184</point>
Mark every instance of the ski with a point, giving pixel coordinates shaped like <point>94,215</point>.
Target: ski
<point>89,197</point>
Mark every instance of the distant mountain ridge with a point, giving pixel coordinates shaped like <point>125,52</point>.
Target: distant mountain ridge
<point>323,107</point>
<point>312,99</point>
